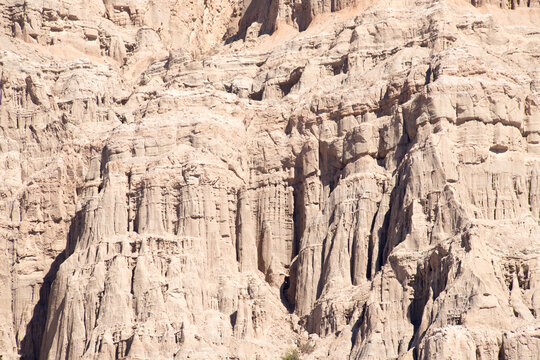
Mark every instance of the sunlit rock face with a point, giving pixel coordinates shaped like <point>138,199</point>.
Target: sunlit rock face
<point>242,179</point>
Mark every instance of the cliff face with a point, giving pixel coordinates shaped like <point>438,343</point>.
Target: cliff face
<point>233,180</point>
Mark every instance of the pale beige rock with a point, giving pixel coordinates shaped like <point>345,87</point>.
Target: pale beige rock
<point>232,180</point>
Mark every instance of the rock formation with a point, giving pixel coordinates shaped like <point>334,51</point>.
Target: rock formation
<point>240,179</point>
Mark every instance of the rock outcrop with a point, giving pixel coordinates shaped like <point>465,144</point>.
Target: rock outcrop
<point>234,180</point>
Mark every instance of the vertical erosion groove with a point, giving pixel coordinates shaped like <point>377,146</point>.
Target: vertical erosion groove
<point>30,346</point>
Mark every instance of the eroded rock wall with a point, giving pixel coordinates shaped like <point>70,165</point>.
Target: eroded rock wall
<point>192,180</point>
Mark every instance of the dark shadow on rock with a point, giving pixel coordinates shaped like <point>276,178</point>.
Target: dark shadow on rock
<point>264,12</point>
<point>30,346</point>
<point>358,328</point>
<point>31,343</point>
<point>415,310</point>
<point>283,295</point>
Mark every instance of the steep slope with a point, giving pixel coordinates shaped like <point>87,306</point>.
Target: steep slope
<point>230,180</point>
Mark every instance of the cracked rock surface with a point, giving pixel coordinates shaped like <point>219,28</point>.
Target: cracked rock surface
<point>237,179</point>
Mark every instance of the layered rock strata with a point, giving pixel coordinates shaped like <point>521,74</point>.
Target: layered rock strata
<point>233,180</point>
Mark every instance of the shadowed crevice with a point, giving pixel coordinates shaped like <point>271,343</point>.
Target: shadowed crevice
<point>30,346</point>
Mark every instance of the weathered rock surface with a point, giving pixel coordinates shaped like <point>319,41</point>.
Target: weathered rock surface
<point>232,180</point>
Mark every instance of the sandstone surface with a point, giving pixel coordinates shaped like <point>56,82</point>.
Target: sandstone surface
<point>241,179</point>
